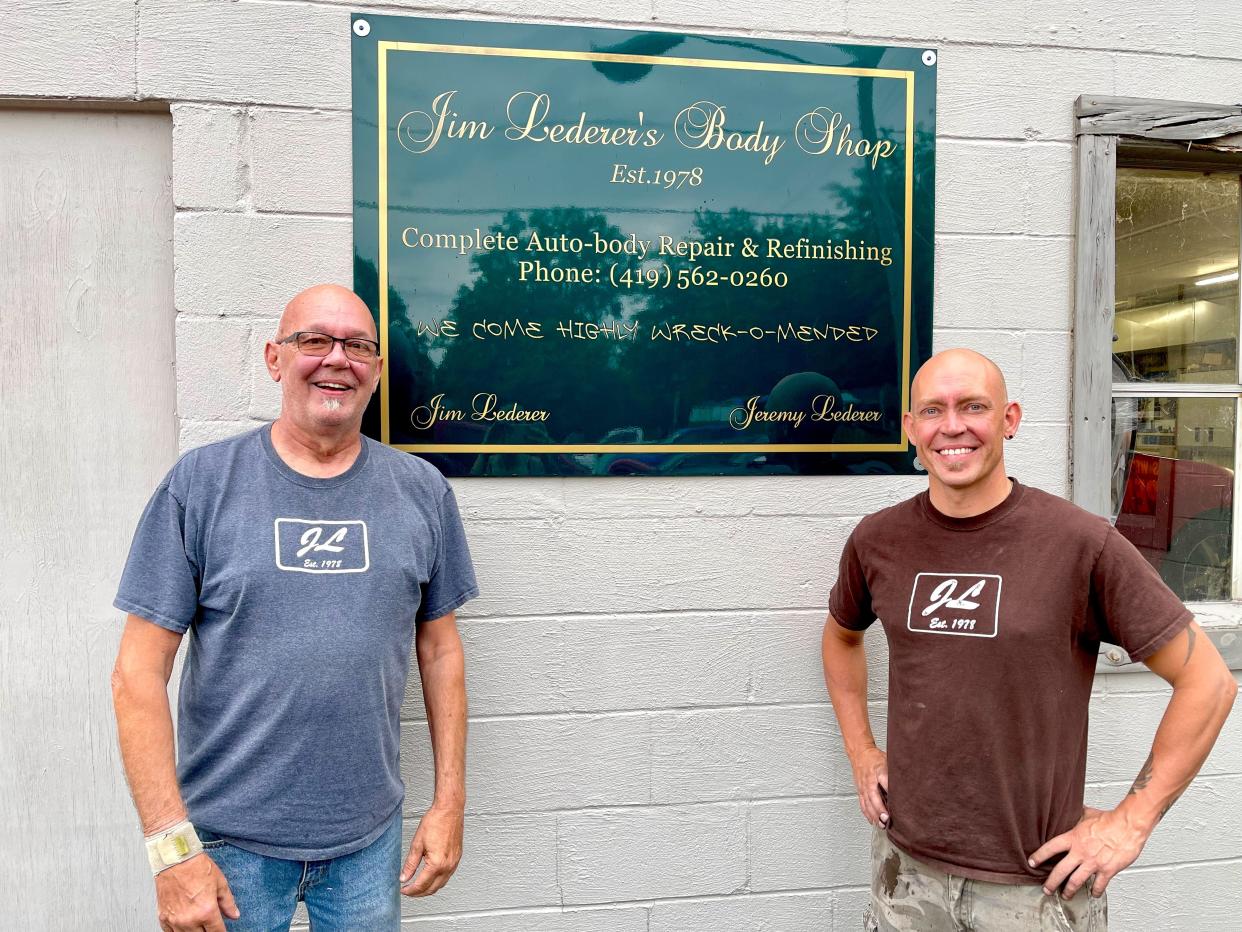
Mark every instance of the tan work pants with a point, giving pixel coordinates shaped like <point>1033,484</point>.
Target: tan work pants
<point>910,896</point>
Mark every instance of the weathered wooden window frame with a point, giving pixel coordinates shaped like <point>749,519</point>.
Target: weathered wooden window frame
<point>1168,134</point>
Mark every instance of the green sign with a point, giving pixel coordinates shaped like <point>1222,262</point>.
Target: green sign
<point>601,252</point>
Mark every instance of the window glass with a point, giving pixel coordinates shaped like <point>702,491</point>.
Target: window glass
<point>1173,488</point>
<point>1177,276</point>
<point>1176,324</point>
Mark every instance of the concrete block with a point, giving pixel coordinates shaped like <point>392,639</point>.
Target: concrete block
<point>507,862</point>
<point>198,433</point>
<point>808,844</point>
<point>265,398</point>
<point>613,855</point>
<point>786,664</point>
<point>848,907</point>
<point>976,282</point>
<point>598,664</point>
<point>501,499</point>
<point>1003,347</point>
<point>1048,196</point>
<point>265,392</point>
<point>980,187</point>
<point>1216,30</point>
<point>1039,456</point>
<point>1143,24</point>
<point>596,11</point>
<point>302,162</point>
<point>1132,681</point>
<point>602,664</point>
<point>1187,898</point>
<point>532,764</point>
<point>244,52</point>
<point>79,49</point>
<point>606,919</point>
<point>209,158</point>
<point>720,754</point>
<point>803,16</point>
<point>1158,77</point>
<point>210,354</point>
<point>1043,387</point>
<point>999,92</point>
<point>602,499</point>
<point>524,665</point>
<point>745,913</point>
<point>247,265</point>
<point>784,651</point>
<point>1122,729</point>
<point>1150,25</point>
<point>656,663</point>
<point>889,21</point>
<point>1204,825</point>
<point>644,565</point>
<point>1202,80</point>
<point>1003,187</point>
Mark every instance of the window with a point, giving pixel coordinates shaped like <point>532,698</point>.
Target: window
<point>1157,377</point>
<point>1175,373</point>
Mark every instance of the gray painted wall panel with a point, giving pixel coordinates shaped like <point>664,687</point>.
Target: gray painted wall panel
<point>87,391</point>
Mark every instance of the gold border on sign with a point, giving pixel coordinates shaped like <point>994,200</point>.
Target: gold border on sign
<point>556,54</point>
<point>382,120</point>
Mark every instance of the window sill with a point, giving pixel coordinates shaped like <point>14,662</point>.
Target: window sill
<point>1220,621</point>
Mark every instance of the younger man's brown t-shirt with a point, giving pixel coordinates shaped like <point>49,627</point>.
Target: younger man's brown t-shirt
<point>994,623</point>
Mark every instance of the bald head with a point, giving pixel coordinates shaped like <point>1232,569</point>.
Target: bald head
<point>324,392</point>
<point>320,304</point>
<point>958,364</point>
<point>959,419</point>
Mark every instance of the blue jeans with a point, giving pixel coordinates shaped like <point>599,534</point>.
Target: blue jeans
<point>346,894</point>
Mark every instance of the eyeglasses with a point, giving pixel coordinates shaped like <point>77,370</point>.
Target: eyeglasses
<point>313,343</point>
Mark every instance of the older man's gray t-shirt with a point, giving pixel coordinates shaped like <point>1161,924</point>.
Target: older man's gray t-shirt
<point>301,595</point>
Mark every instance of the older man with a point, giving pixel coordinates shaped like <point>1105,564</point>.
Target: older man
<point>303,558</point>
<point>994,599</point>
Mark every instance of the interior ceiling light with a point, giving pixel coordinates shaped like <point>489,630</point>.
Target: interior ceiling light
<point>1218,279</point>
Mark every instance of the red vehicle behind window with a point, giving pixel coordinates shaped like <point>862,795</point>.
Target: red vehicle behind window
<point>1178,514</point>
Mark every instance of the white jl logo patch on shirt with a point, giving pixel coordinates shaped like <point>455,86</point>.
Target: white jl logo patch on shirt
<point>955,603</point>
<point>304,546</point>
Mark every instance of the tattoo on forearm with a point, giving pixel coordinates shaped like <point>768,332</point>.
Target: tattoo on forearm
<point>1168,806</point>
<point>1143,778</point>
<point>1190,643</point>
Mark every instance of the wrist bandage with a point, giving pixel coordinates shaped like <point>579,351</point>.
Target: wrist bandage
<point>172,846</point>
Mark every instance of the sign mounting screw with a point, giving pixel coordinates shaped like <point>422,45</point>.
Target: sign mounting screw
<point>363,28</point>
<point>929,57</point>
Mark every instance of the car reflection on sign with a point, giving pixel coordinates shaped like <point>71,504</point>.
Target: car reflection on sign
<point>649,463</point>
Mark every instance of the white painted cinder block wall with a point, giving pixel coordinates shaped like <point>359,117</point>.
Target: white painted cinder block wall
<point>651,749</point>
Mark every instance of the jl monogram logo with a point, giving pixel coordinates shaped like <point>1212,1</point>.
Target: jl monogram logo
<point>310,541</point>
<point>322,546</point>
<point>955,603</point>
